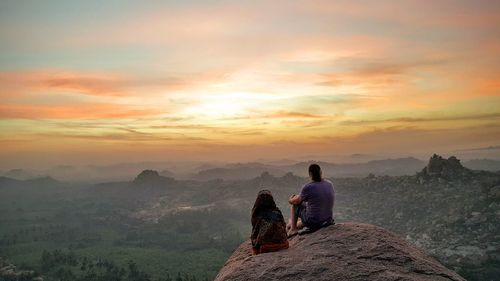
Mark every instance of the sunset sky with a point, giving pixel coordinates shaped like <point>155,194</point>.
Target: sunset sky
<point>112,81</point>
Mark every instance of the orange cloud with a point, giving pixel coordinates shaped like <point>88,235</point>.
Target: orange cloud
<point>85,84</point>
<point>289,114</point>
<point>475,117</point>
<point>486,87</point>
<point>73,111</point>
<point>17,83</point>
<point>376,72</point>
<point>23,82</point>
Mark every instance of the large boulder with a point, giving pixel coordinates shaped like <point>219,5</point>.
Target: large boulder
<point>347,251</point>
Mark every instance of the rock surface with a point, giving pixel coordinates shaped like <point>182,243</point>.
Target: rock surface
<point>347,251</point>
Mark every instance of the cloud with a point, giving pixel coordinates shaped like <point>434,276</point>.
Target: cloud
<point>291,114</point>
<point>278,115</point>
<point>489,116</point>
<point>74,111</point>
<point>94,83</point>
<point>99,86</point>
<point>487,148</point>
<point>51,80</point>
<point>125,137</point>
<point>410,140</point>
<point>376,72</point>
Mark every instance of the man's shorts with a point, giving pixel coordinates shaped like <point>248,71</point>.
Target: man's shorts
<point>300,212</point>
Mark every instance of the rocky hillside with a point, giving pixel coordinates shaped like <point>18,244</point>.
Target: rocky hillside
<point>346,251</point>
<point>446,209</point>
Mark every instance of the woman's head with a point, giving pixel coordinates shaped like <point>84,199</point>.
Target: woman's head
<point>315,172</point>
<point>264,202</point>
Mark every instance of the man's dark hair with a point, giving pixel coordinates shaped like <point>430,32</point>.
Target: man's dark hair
<point>315,172</point>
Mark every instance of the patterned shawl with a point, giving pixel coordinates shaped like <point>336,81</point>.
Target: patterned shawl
<point>268,224</point>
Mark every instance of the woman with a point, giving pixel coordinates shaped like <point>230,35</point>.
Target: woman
<point>268,225</point>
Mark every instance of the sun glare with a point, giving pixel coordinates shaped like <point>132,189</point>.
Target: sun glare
<point>224,105</point>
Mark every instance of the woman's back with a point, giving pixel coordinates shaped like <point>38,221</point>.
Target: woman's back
<point>268,225</point>
<point>271,228</point>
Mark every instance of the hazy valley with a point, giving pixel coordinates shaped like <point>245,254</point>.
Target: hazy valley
<point>203,171</point>
<point>168,226</point>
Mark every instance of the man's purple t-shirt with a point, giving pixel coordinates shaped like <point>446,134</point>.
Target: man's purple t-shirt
<point>319,198</point>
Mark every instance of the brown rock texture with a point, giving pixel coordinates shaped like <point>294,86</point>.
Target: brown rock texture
<point>347,251</point>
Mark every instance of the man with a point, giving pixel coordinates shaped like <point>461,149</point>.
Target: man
<point>314,205</point>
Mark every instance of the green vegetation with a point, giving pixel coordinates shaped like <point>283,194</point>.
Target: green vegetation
<point>66,233</point>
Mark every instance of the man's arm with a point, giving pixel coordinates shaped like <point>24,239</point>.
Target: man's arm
<point>295,199</point>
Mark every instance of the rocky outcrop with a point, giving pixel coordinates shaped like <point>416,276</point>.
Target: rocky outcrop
<point>147,176</point>
<point>441,169</point>
<point>151,178</point>
<point>347,251</point>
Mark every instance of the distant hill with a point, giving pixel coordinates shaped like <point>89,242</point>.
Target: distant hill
<point>151,178</point>
<point>146,185</point>
<point>392,167</point>
<point>167,173</point>
<point>9,182</point>
<point>20,174</point>
<point>40,183</point>
<point>238,172</point>
<point>389,167</point>
<point>483,164</point>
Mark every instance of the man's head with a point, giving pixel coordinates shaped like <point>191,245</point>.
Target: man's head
<point>315,172</point>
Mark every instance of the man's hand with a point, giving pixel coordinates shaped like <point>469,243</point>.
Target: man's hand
<point>295,199</point>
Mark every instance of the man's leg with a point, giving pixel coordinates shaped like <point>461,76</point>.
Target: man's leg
<point>300,225</point>
<point>293,221</point>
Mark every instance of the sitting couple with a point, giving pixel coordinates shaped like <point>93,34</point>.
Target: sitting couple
<point>310,210</point>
